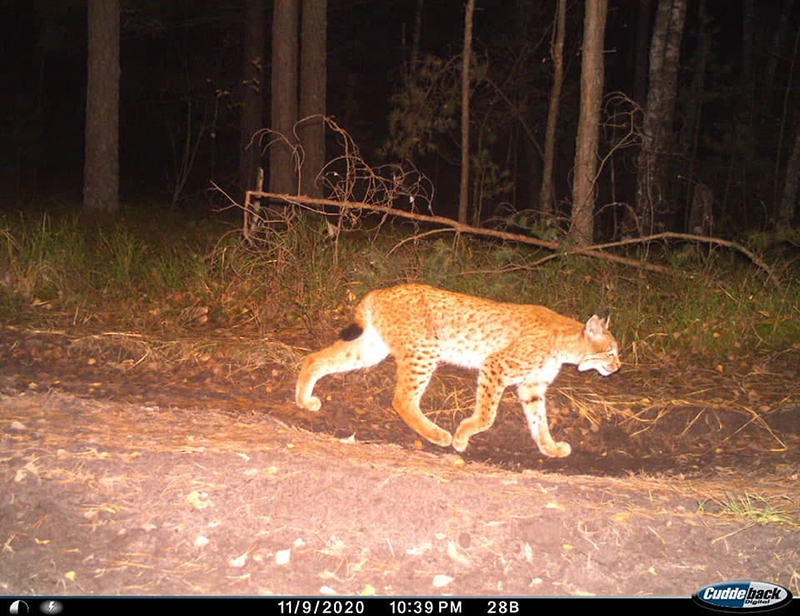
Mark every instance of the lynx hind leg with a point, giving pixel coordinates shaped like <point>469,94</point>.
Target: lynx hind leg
<point>487,398</point>
<point>343,356</point>
<point>532,398</point>
<point>413,376</point>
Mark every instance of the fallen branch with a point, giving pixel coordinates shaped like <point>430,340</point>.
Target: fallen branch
<point>597,251</point>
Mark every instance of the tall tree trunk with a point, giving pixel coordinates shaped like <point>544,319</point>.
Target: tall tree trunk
<point>417,34</point>
<point>101,163</point>
<point>777,43</point>
<point>657,130</point>
<point>313,82</point>
<point>786,212</point>
<point>592,77</point>
<point>463,201</point>
<point>748,24</point>
<point>286,14</point>
<point>697,88</point>
<point>252,94</point>
<point>644,13</point>
<point>546,193</point>
<point>699,197</point>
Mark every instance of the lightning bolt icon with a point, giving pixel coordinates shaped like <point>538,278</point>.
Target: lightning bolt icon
<point>51,606</point>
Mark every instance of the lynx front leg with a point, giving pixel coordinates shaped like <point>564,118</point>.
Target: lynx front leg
<point>342,356</point>
<point>413,376</point>
<point>487,397</point>
<point>532,397</point>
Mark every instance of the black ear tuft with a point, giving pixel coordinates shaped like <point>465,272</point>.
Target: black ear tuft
<point>351,332</point>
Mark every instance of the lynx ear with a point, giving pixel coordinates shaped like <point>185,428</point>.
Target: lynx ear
<point>608,321</point>
<point>594,327</point>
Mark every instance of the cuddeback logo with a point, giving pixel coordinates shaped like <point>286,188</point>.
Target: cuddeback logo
<point>742,596</point>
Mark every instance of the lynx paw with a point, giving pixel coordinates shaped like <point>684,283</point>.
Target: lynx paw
<point>460,441</point>
<point>311,404</point>
<point>559,450</point>
<point>443,439</point>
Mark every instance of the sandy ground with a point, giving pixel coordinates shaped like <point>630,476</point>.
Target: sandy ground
<point>203,478</point>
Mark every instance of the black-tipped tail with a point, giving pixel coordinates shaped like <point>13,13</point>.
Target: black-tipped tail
<point>351,332</point>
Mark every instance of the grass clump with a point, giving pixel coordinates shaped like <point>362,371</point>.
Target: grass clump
<point>749,508</point>
<point>178,274</point>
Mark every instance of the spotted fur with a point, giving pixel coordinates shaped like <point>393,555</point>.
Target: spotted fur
<point>518,345</point>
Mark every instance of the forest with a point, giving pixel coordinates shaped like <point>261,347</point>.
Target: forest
<point>199,193</point>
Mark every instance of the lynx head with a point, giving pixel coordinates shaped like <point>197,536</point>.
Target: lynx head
<point>601,353</point>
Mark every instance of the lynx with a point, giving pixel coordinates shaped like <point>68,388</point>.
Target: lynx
<point>509,344</point>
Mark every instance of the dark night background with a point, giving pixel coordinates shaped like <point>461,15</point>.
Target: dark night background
<point>181,52</point>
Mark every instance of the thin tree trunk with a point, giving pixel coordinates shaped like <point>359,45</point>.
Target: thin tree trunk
<point>463,201</point>
<point>252,95</point>
<point>696,193</point>
<point>416,34</point>
<point>784,117</point>
<point>777,43</point>
<point>643,16</point>
<point>101,164</point>
<point>286,14</point>
<point>313,81</point>
<point>546,193</point>
<point>748,24</point>
<point>592,77</point>
<point>791,184</point>
<point>657,130</point>
<point>698,85</point>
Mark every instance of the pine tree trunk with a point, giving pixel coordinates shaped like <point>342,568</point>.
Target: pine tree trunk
<point>592,77</point>
<point>313,81</point>
<point>101,164</point>
<point>786,213</point>
<point>282,173</point>
<point>697,88</point>
<point>657,130</point>
<point>463,201</point>
<point>777,44</point>
<point>251,119</point>
<point>644,12</point>
<point>546,193</point>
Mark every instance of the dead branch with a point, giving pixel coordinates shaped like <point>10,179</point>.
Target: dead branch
<point>597,251</point>
<point>590,251</point>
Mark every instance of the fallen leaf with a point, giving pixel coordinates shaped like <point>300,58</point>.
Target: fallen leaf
<point>418,550</point>
<point>326,590</point>
<point>282,557</point>
<point>201,541</point>
<point>441,580</point>
<point>239,561</point>
<point>456,555</point>
<point>198,500</point>
<point>70,575</point>
<point>367,591</point>
<point>528,551</point>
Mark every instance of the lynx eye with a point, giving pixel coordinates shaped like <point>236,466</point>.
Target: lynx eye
<point>611,352</point>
